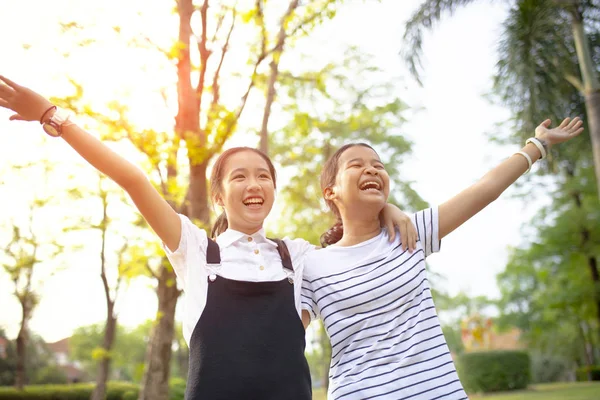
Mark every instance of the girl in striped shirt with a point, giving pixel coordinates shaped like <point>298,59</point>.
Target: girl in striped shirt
<point>374,297</point>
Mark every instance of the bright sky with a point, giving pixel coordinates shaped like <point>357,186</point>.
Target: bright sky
<point>451,150</point>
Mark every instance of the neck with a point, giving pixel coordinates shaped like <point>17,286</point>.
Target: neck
<point>248,230</point>
<point>358,230</point>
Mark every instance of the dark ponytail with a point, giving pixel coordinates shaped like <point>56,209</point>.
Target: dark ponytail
<point>333,234</point>
<point>220,225</point>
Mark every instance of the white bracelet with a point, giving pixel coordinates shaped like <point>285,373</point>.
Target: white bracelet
<point>527,158</point>
<point>539,145</point>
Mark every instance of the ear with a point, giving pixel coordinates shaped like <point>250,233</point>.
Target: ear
<point>328,193</point>
<point>218,201</point>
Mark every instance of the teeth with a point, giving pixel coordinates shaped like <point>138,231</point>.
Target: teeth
<point>371,185</point>
<point>253,200</point>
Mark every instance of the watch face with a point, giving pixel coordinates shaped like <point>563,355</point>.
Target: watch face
<point>51,130</point>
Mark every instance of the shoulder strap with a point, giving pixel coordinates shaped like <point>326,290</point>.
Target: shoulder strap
<point>213,253</point>
<point>286,259</point>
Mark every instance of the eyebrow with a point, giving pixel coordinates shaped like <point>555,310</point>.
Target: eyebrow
<point>246,170</point>
<point>361,160</point>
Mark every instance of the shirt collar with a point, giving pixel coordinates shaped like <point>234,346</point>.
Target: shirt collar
<point>231,236</point>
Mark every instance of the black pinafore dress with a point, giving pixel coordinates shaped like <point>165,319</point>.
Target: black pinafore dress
<point>249,341</point>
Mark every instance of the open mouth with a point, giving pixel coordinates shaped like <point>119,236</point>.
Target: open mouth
<point>370,186</point>
<point>253,201</point>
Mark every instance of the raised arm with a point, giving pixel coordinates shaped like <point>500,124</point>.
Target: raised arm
<point>456,211</point>
<point>30,106</point>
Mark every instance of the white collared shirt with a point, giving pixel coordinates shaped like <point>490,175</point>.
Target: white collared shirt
<point>251,258</point>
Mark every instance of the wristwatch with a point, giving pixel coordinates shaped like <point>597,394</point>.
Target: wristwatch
<point>53,126</point>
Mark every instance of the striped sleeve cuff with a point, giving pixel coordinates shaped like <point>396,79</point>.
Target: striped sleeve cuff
<point>427,224</point>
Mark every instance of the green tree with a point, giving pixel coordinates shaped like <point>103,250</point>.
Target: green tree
<point>546,69</point>
<point>38,359</point>
<point>539,49</point>
<point>205,119</point>
<point>116,266</point>
<point>355,103</point>
<point>545,289</point>
<point>23,254</point>
<point>127,354</point>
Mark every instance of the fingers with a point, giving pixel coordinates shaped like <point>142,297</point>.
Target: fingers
<point>574,124</point>
<point>16,117</point>
<point>403,234</point>
<point>564,123</point>
<point>9,82</point>
<point>411,237</point>
<point>3,103</point>
<point>6,92</point>
<point>391,230</point>
<point>546,123</point>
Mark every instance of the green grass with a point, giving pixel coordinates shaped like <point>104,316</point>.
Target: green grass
<point>548,391</point>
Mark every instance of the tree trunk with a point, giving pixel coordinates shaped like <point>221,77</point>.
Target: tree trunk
<point>99,392</point>
<point>20,376</point>
<point>591,87</point>
<point>588,356</point>
<point>274,67</point>
<point>198,207</point>
<point>155,384</point>
<point>264,131</point>
<point>592,261</point>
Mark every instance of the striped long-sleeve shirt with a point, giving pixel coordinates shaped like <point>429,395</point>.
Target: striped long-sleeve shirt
<point>375,302</point>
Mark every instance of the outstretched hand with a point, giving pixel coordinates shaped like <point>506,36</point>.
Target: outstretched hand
<point>27,104</point>
<point>568,129</point>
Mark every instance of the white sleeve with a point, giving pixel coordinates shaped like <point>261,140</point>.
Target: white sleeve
<point>308,301</point>
<point>298,249</point>
<point>191,249</point>
<point>427,224</point>
<point>307,295</point>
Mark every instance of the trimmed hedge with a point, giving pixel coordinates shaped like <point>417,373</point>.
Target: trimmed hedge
<point>493,371</point>
<point>76,391</point>
<point>582,373</point>
<point>83,391</point>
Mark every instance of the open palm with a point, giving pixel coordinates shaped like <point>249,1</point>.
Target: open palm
<point>568,129</point>
<point>27,104</point>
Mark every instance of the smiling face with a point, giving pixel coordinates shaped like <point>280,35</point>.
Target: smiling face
<point>247,190</point>
<point>360,181</point>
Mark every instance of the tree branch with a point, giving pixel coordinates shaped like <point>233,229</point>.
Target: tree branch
<point>576,82</point>
<point>205,53</point>
<point>216,87</point>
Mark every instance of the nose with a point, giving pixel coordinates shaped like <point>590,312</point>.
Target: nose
<point>253,185</point>
<point>372,171</point>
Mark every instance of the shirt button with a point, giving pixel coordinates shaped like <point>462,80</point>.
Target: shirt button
<point>249,239</point>
<point>256,251</point>
<point>262,268</point>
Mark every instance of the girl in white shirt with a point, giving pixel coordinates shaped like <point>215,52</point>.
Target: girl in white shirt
<point>372,296</point>
<point>242,291</point>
